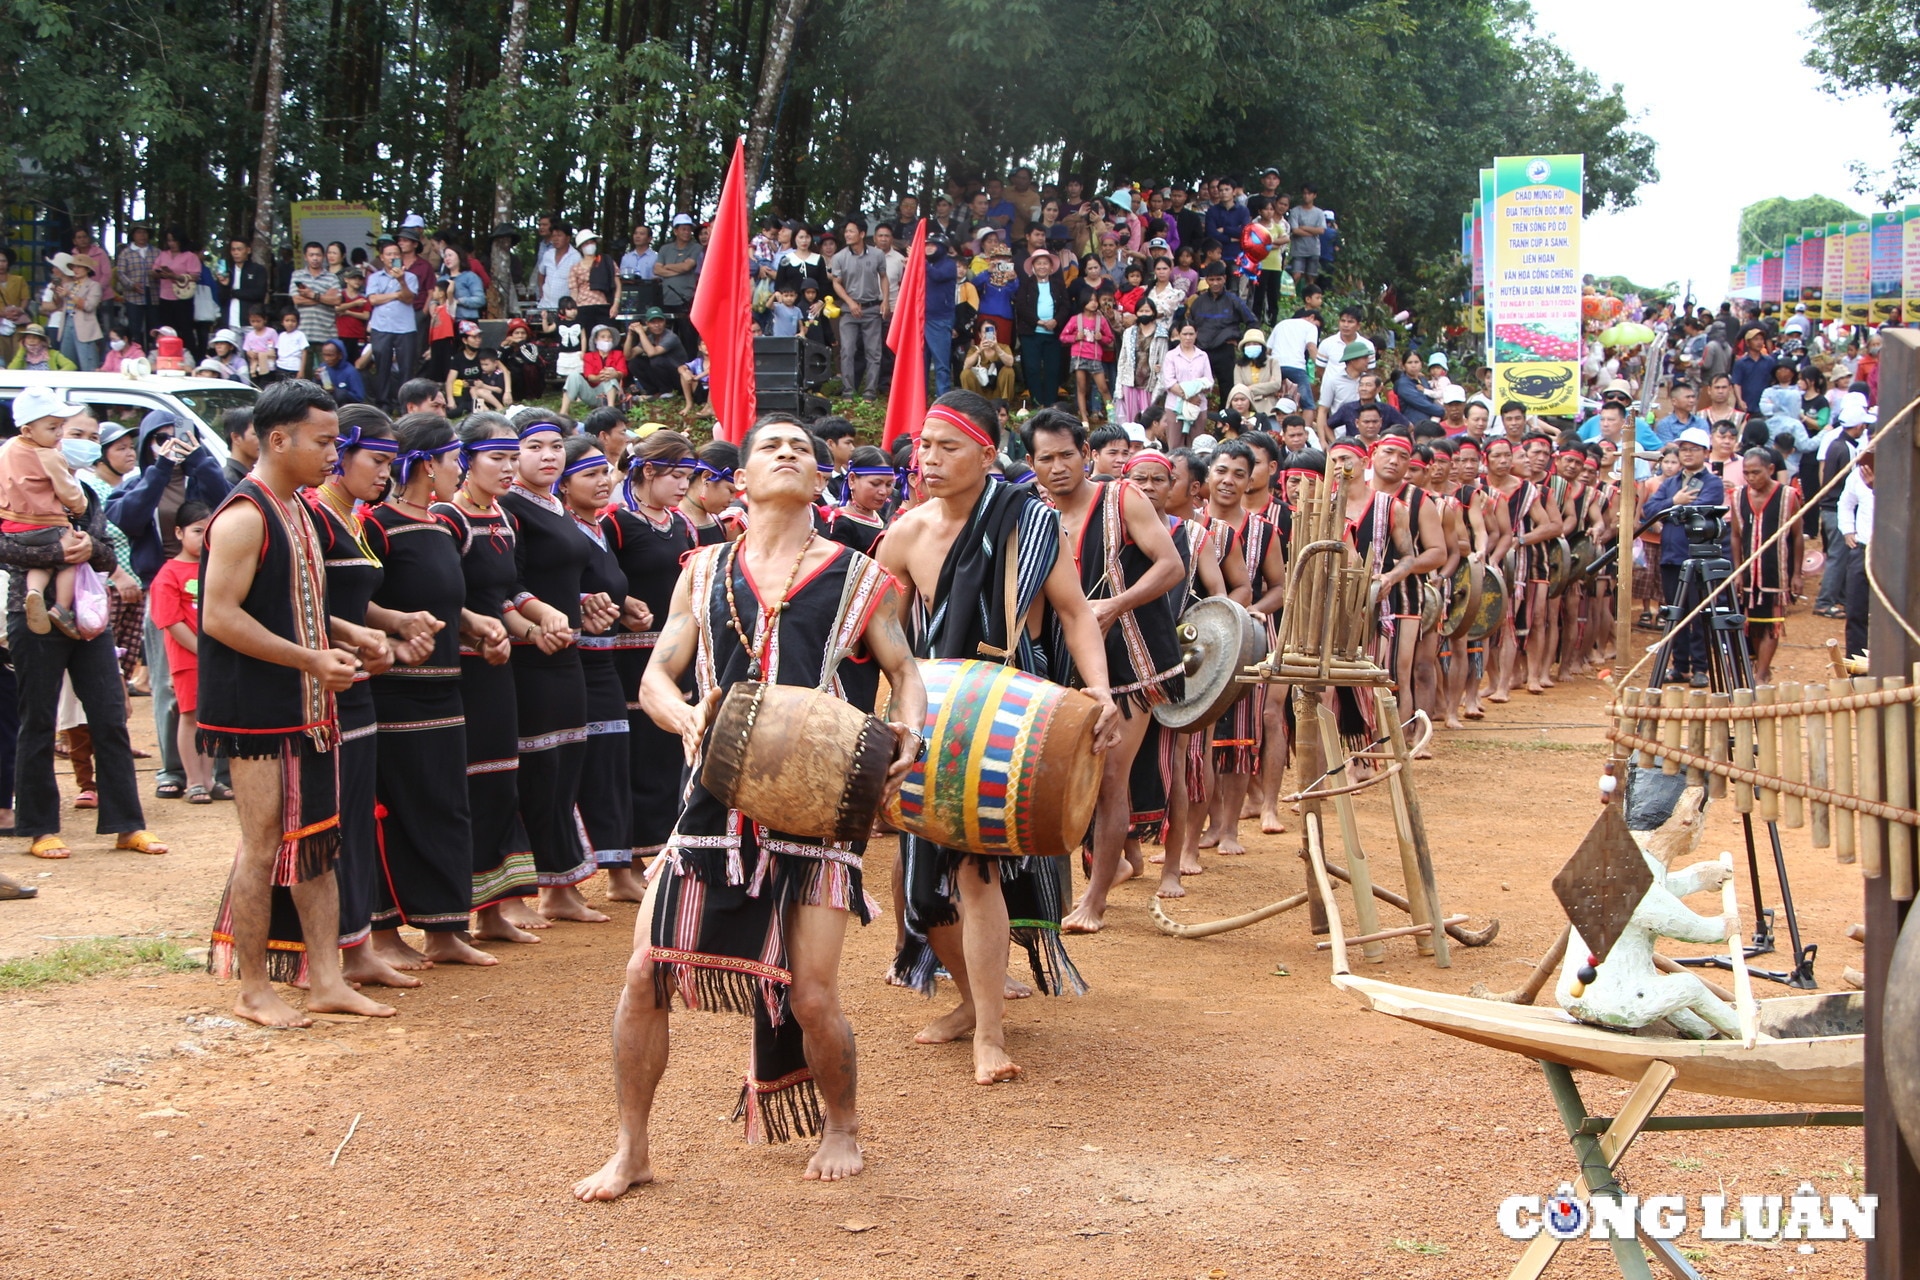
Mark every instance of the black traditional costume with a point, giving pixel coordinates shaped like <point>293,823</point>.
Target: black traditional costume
<point>426,833</point>
<point>1762,589</point>
<point>1238,735</point>
<point>605,806</point>
<point>502,860</point>
<point>353,575</point>
<point>650,556</point>
<point>551,689</point>
<point>253,709</point>
<point>718,935</point>
<point>1011,531</point>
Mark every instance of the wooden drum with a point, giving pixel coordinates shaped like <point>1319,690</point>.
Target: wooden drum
<point>1009,768</point>
<point>798,760</point>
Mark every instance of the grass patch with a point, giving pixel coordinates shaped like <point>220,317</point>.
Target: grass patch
<point>90,959</point>
<point>1686,1163</point>
<point>1423,1248</point>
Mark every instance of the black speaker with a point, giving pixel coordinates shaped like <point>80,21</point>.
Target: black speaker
<point>790,363</point>
<point>801,404</point>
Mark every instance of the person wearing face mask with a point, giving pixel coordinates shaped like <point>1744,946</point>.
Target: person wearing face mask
<point>602,372</point>
<point>943,283</point>
<point>1256,367</point>
<point>120,348</point>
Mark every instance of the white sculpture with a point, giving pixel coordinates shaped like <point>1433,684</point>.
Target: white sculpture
<point>1627,992</point>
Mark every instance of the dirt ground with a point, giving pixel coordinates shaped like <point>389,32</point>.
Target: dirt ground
<point>1212,1109</point>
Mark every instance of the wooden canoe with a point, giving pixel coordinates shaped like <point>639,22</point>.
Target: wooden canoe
<point>1812,1049</point>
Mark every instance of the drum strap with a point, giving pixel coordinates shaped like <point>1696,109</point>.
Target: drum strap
<point>1016,617</point>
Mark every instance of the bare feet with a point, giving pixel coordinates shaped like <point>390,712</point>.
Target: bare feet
<point>1270,823</point>
<point>519,913</point>
<point>947,1029</point>
<point>360,966</point>
<point>492,925</point>
<point>1229,845</point>
<point>838,1157</point>
<point>453,948</point>
<point>1016,989</point>
<point>991,1065</point>
<point>1453,721</point>
<point>1472,713</point>
<point>625,885</point>
<point>1424,753</point>
<point>1209,839</point>
<point>1127,870</point>
<point>1190,864</point>
<point>1084,919</point>
<point>1495,696</point>
<point>1155,859</point>
<point>563,902</point>
<point>619,1175</point>
<point>1170,887</point>
<point>349,1001</point>
<point>269,1010</point>
<point>388,947</point>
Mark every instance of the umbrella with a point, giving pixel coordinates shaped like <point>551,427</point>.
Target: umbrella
<point>1627,334</point>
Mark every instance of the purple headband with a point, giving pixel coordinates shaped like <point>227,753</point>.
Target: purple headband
<point>352,439</point>
<point>535,428</point>
<point>403,464</point>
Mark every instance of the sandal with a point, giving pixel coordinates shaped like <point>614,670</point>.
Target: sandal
<point>220,791</point>
<point>50,846</point>
<point>35,607</point>
<point>63,622</point>
<point>86,800</point>
<point>170,790</point>
<point>198,795</point>
<point>140,842</point>
<point>11,892</point>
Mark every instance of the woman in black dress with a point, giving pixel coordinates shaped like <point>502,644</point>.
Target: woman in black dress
<point>651,535</point>
<point>503,872</point>
<point>711,493</point>
<point>354,573</point>
<point>550,686</point>
<point>426,838</point>
<point>606,805</point>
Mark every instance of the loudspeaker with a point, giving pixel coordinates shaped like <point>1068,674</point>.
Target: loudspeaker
<point>789,364</point>
<point>801,404</point>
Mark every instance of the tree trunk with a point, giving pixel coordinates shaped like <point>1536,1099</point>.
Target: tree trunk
<point>512,59</point>
<point>269,135</point>
<point>773,76</point>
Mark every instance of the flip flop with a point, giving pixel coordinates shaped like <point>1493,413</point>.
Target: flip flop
<point>50,846</point>
<point>86,800</point>
<point>11,892</point>
<point>140,842</point>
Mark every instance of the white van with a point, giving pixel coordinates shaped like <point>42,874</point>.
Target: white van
<point>199,402</point>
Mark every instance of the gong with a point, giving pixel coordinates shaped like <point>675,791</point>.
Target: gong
<point>1559,567</point>
<point>1584,554</point>
<point>1429,603</point>
<point>1465,601</point>
<point>1491,608</point>
<point>1218,639</point>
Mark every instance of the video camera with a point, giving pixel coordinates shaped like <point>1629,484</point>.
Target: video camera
<point>1706,526</point>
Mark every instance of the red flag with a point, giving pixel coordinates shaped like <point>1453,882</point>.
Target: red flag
<point>907,339</point>
<point>723,308</point>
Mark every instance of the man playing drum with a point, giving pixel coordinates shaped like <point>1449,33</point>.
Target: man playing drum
<point>1126,563</point>
<point>952,554</point>
<point>739,916</point>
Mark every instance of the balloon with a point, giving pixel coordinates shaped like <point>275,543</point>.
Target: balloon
<point>1256,240</point>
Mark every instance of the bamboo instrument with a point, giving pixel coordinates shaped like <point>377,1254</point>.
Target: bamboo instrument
<point>1672,696</point>
<point>1819,726</point>
<point>1868,785</point>
<point>1743,752</point>
<point>1896,724</point>
<point>1696,737</point>
<point>1719,747</point>
<point>1630,699</point>
<point>1791,757</point>
<point>1766,736</point>
<point>1844,843</point>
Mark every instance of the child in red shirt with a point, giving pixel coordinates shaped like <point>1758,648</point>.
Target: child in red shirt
<point>175,601</point>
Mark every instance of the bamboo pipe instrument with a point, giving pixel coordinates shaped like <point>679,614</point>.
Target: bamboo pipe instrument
<point>1415,930</point>
<point>1896,724</point>
<point>1365,916</point>
<point>1696,738</point>
<point>1845,846</point>
<point>1336,932</point>
<point>1672,696</point>
<point>1819,728</point>
<point>1867,782</point>
<point>1766,734</point>
<point>1719,748</point>
<point>1792,761</point>
<point>1743,752</point>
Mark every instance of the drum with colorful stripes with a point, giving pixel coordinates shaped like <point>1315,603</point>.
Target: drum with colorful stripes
<point>1009,768</point>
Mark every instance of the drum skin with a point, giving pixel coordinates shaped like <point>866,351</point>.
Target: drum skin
<point>798,760</point>
<point>1009,769</point>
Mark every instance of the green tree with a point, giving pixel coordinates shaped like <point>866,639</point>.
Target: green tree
<point>1873,46</point>
<point>1765,224</point>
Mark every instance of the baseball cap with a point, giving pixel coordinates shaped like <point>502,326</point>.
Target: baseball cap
<point>1438,360</point>
<point>1453,393</point>
<point>36,403</point>
<point>1269,171</point>
<point>469,326</point>
<point>1158,242</point>
<point>1204,444</point>
<point>1135,432</point>
<point>1695,435</point>
<point>682,220</point>
<point>654,313</point>
<point>1285,405</point>
<point>1853,410</point>
<point>586,235</point>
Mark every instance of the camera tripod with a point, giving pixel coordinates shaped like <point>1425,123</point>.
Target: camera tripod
<point>1706,575</point>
